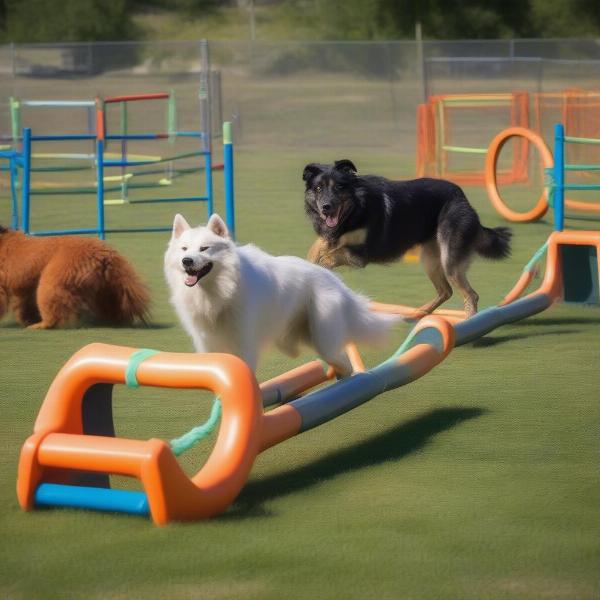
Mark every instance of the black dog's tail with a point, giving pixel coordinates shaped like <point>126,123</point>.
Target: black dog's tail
<point>493,243</point>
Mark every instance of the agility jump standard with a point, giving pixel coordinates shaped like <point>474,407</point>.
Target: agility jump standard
<point>73,448</point>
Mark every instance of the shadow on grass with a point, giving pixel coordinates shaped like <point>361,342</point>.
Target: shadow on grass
<point>393,444</point>
<point>488,341</point>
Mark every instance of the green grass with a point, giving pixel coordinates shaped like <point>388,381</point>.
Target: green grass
<point>479,480</point>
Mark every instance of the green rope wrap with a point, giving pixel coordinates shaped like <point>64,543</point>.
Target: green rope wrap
<point>137,358</point>
<point>536,257</point>
<point>191,438</point>
<point>405,345</point>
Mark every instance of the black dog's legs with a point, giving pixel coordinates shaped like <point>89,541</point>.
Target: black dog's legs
<point>431,262</point>
<point>455,262</point>
<point>353,256</point>
<point>459,280</point>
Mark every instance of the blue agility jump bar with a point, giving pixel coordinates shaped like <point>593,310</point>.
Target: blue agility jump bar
<point>65,232</point>
<point>139,229</point>
<point>128,163</point>
<point>93,498</point>
<point>60,138</point>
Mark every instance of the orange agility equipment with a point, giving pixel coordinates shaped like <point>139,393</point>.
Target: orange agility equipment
<point>491,183</point>
<point>73,449</point>
<point>438,124</point>
<point>60,442</point>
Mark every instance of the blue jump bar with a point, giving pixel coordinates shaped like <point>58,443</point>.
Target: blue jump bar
<point>65,232</point>
<point>127,163</point>
<point>57,138</point>
<point>140,229</point>
<point>75,496</point>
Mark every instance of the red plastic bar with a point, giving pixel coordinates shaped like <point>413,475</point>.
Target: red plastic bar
<point>134,97</point>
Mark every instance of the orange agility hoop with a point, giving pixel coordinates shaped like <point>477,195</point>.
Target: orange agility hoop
<point>491,182</point>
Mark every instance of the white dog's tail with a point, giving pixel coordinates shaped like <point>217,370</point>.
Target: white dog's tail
<point>370,327</point>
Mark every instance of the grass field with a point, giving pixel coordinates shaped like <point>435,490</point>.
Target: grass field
<point>478,481</point>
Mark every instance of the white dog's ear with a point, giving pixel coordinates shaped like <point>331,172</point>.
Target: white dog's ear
<point>217,225</point>
<point>179,225</point>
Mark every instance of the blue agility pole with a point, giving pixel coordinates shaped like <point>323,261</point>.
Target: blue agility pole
<point>12,157</point>
<point>26,183</point>
<point>228,175</point>
<point>100,187</point>
<point>559,177</point>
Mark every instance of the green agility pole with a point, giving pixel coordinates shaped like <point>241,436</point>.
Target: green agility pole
<point>15,118</point>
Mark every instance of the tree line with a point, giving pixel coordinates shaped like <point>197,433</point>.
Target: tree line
<point>111,20</point>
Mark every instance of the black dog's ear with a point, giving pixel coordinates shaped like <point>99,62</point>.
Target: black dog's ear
<point>311,171</point>
<point>346,166</point>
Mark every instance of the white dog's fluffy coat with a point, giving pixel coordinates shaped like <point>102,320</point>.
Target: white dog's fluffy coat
<point>239,299</point>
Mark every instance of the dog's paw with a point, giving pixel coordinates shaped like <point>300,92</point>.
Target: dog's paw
<point>40,325</point>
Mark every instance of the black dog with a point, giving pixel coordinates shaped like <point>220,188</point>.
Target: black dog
<point>364,219</point>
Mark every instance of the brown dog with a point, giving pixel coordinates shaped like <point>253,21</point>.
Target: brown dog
<point>54,281</point>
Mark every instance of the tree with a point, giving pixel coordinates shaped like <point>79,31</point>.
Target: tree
<point>66,20</point>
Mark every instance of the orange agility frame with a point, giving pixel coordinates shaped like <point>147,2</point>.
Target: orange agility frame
<point>435,130</point>
<point>63,448</point>
<point>491,179</point>
<point>541,207</point>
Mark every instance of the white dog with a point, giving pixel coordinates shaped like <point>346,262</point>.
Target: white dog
<point>240,299</point>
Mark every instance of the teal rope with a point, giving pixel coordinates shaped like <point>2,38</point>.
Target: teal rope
<point>135,360</point>
<point>536,257</point>
<point>191,438</point>
<point>404,346</point>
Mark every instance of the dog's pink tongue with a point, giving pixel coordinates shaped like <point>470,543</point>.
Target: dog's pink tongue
<point>190,280</point>
<point>331,221</point>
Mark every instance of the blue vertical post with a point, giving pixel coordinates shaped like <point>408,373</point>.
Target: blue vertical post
<point>100,187</point>
<point>559,177</point>
<point>228,175</point>
<point>26,184</point>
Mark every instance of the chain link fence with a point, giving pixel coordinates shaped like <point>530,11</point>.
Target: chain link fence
<point>292,94</point>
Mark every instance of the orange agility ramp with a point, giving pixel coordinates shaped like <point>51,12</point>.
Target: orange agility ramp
<point>73,448</point>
